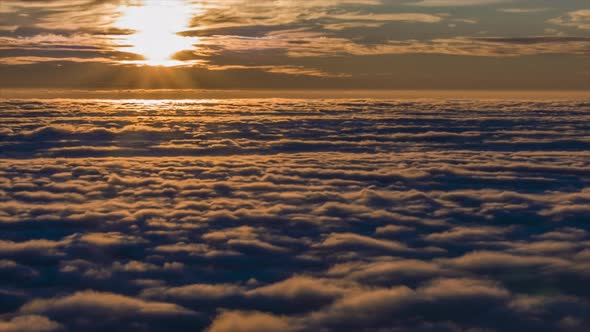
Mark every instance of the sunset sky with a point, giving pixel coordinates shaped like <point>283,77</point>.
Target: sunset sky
<point>287,44</point>
<point>295,165</point>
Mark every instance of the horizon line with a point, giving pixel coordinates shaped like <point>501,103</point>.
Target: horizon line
<point>180,94</point>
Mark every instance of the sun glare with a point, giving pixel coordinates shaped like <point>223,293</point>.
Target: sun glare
<point>156,25</point>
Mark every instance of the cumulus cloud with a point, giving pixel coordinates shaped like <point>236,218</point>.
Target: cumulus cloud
<point>354,241</point>
<point>29,323</point>
<point>200,292</point>
<point>249,322</point>
<point>97,303</point>
<point>302,215</point>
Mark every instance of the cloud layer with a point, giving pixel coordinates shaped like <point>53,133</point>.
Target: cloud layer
<point>286,215</point>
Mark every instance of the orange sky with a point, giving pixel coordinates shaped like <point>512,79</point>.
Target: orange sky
<point>323,44</point>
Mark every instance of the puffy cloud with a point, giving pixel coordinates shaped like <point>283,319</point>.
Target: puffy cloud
<point>295,215</point>
<point>497,261</point>
<point>299,294</point>
<point>249,322</point>
<point>99,304</point>
<point>461,288</point>
<point>388,272</point>
<point>29,323</point>
<point>106,239</point>
<point>355,241</point>
<point>96,311</point>
<point>198,292</point>
<point>386,306</point>
<point>469,233</point>
<point>39,247</point>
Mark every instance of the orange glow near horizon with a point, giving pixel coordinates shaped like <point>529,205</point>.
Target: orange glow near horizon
<point>156,25</point>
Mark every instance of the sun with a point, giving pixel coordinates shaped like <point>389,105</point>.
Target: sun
<point>156,25</point>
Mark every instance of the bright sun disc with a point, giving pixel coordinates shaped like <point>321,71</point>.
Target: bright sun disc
<point>156,24</point>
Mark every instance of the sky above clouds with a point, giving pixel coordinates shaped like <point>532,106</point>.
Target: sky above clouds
<point>356,44</point>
